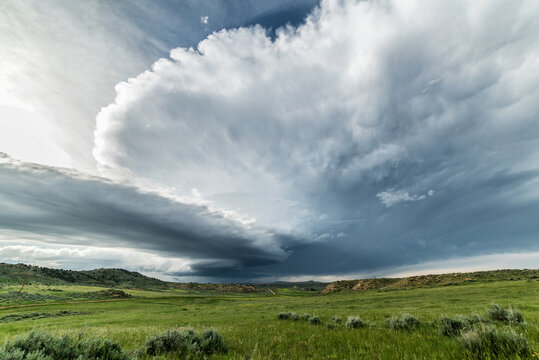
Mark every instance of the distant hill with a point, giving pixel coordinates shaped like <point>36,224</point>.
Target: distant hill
<point>299,285</point>
<point>250,288</point>
<point>235,288</point>
<point>120,278</point>
<point>16,273</point>
<point>430,280</point>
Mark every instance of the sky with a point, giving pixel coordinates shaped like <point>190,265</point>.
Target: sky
<point>249,140</point>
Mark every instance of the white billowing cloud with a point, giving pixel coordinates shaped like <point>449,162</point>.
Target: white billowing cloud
<point>390,198</point>
<point>365,96</point>
<point>64,58</point>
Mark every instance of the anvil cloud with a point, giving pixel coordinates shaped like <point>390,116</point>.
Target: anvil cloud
<point>375,135</point>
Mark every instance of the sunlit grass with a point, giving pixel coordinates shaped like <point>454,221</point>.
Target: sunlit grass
<point>249,324</point>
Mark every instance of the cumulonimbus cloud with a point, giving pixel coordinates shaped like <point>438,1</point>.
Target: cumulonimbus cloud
<point>324,133</point>
<point>307,131</point>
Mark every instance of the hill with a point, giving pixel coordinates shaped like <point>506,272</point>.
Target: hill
<point>17,273</point>
<point>434,280</point>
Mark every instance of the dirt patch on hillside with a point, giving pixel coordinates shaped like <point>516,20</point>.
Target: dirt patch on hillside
<point>339,286</point>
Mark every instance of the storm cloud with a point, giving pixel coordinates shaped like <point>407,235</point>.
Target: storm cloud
<point>372,135</point>
<point>384,132</point>
<point>66,206</point>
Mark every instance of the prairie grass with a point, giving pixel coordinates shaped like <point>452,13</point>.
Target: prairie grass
<point>251,330</point>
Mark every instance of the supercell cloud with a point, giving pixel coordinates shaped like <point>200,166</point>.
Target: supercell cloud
<point>375,135</point>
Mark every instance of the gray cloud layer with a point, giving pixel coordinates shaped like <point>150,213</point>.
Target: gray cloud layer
<point>66,206</point>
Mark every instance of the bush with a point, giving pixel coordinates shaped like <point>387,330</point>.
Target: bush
<point>186,343</point>
<point>483,342</point>
<point>337,319</point>
<point>315,320</point>
<point>507,316</point>
<point>42,346</point>
<point>514,317</point>
<point>284,315</point>
<point>474,319</point>
<point>405,322</point>
<point>305,317</point>
<point>497,313</point>
<point>288,315</point>
<point>211,342</point>
<point>354,322</point>
<point>171,340</point>
<point>330,325</point>
<point>451,327</point>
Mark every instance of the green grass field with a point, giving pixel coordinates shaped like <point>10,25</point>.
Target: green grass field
<point>251,330</point>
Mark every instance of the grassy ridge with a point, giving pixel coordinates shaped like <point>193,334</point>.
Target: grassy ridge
<point>17,273</point>
<point>251,330</point>
<point>433,280</point>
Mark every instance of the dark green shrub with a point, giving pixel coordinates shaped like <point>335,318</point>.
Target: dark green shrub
<point>497,313</point>
<point>486,342</point>
<point>354,322</point>
<point>337,319</point>
<point>514,317</point>
<point>451,327</point>
<point>284,315</point>
<point>212,342</point>
<point>16,355</point>
<point>330,325</point>
<point>315,320</point>
<point>305,317</point>
<point>100,349</point>
<point>42,346</point>
<point>186,343</point>
<point>507,316</point>
<point>294,316</point>
<point>473,319</point>
<point>405,322</point>
<point>171,340</point>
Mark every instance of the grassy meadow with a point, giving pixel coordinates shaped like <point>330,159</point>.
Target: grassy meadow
<point>251,329</point>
